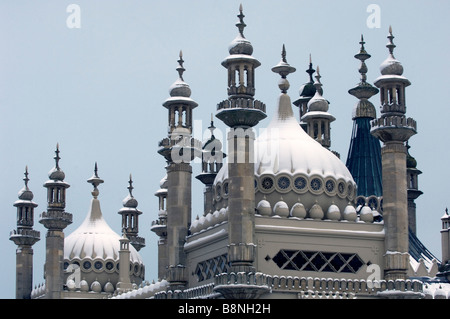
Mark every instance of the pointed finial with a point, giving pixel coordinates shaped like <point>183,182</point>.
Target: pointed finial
<point>283,69</point>
<point>180,68</point>
<point>95,180</point>
<point>391,44</point>
<point>57,158</point>
<point>130,187</point>
<point>310,70</point>
<point>241,24</point>
<point>318,76</point>
<point>26,179</point>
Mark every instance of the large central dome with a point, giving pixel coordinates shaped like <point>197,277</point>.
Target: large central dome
<point>294,174</point>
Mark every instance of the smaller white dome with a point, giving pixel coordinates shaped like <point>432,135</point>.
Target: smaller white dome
<point>84,285</point>
<point>71,286</point>
<point>391,66</point>
<point>281,209</point>
<point>350,213</point>
<point>333,212</point>
<point>108,287</point>
<point>264,208</point>
<point>366,214</point>
<point>96,287</point>
<point>316,212</point>
<point>298,210</point>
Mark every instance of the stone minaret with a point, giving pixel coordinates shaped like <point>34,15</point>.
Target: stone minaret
<point>55,219</point>
<point>444,269</point>
<point>317,118</point>
<point>240,112</point>
<point>159,227</point>
<point>179,148</point>
<point>130,219</point>
<point>364,154</point>
<point>393,128</point>
<point>212,162</point>
<point>413,188</point>
<point>24,237</point>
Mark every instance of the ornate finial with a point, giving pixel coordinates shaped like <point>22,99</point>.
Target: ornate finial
<point>283,69</point>
<point>57,158</point>
<point>95,181</point>
<point>362,55</point>
<point>180,68</point>
<point>318,84</point>
<point>26,179</point>
<point>310,70</point>
<point>283,54</point>
<point>130,187</point>
<point>241,25</point>
<point>446,210</point>
<point>391,44</point>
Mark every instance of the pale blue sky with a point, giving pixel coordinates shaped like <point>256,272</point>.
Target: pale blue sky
<point>98,90</point>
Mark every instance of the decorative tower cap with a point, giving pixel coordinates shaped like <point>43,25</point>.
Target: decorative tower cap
<point>179,87</point>
<point>308,89</point>
<point>240,45</point>
<point>391,66</point>
<point>56,173</point>
<point>130,201</point>
<point>317,102</point>
<point>95,181</point>
<point>25,193</point>
<point>283,69</point>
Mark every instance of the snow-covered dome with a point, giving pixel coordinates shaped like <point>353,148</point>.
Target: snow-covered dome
<point>289,164</point>
<point>94,247</point>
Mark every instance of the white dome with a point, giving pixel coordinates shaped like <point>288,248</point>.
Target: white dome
<point>289,163</point>
<point>94,246</point>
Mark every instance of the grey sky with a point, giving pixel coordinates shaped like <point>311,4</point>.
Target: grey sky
<point>98,90</point>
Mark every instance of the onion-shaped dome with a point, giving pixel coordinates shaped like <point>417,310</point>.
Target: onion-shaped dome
<point>289,163</point>
<point>281,209</point>
<point>94,247</point>
<point>298,210</point>
<point>391,66</point>
<point>366,214</point>
<point>240,45</point>
<point>263,208</point>
<point>350,213</point>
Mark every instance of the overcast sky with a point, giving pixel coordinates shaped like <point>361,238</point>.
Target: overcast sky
<point>97,89</point>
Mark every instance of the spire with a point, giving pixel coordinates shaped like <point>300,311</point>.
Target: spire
<point>56,173</point>
<point>364,154</point>
<point>241,24</point>
<point>391,66</point>
<point>95,181</point>
<point>283,69</point>
<point>57,158</point>
<point>130,187</point>
<point>391,46</point>
<point>180,68</point>
<point>318,103</point>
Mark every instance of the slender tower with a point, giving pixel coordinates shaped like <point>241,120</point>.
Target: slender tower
<point>55,219</point>
<point>24,237</point>
<point>130,219</point>
<point>394,129</point>
<point>212,162</point>
<point>179,148</point>
<point>317,118</point>
<point>364,154</point>
<point>159,227</point>
<point>412,173</point>
<point>240,112</point>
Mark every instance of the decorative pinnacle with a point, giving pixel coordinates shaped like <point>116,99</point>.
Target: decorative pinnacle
<point>95,181</point>
<point>241,25</point>
<point>362,56</point>
<point>391,44</point>
<point>283,69</point>
<point>310,71</point>
<point>26,179</point>
<point>180,68</point>
<point>130,187</point>
<point>318,84</point>
<point>57,158</point>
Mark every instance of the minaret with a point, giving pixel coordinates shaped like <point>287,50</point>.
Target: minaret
<point>306,92</point>
<point>124,283</point>
<point>159,227</point>
<point>179,148</point>
<point>412,187</point>
<point>240,112</point>
<point>24,237</point>
<point>130,218</point>
<point>364,154</point>
<point>444,269</point>
<point>212,162</point>
<point>55,219</point>
<point>394,129</point>
<point>317,118</point>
